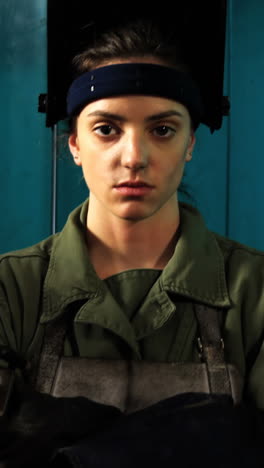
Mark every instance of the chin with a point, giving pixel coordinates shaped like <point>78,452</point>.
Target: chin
<point>134,215</point>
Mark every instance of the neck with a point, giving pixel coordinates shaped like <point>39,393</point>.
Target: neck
<point>117,244</point>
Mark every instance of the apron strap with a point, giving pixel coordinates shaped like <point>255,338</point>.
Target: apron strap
<point>211,347</point>
<point>51,352</point>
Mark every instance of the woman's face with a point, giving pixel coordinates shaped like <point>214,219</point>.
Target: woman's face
<point>133,150</point>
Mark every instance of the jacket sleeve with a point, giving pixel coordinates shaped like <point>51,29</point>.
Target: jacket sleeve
<point>7,332</point>
<point>256,379</point>
<point>13,356</point>
<point>252,320</point>
<point>244,326</point>
<point>21,283</point>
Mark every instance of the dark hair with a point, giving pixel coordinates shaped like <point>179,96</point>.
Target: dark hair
<point>139,39</point>
<point>142,38</point>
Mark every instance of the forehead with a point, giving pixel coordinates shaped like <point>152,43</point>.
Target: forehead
<point>135,106</point>
<point>135,59</point>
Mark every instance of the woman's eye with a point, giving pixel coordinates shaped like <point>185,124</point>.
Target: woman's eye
<point>163,131</point>
<point>105,130</point>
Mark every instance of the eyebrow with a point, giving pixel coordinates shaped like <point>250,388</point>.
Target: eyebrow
<point>121,118</point>
<point>164,115</point>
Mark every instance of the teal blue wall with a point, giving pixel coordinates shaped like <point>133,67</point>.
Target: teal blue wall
<point>25,162</point>
<point>224,177</point>
<point>246,193</point>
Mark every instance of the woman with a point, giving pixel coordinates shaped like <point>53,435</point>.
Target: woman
<point>134,275</point>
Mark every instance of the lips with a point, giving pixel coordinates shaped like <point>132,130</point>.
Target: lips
<point>131,183</point>
<point>133,188</point>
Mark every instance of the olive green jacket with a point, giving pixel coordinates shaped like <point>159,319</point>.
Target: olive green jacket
<point>40,283</point>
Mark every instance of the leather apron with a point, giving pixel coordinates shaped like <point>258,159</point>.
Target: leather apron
<point>134,385</point>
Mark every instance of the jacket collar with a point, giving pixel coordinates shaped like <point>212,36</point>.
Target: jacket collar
<point>70,276</point>
<point>195,271</point>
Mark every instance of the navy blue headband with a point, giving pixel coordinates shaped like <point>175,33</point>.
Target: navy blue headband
<point>135,78</point>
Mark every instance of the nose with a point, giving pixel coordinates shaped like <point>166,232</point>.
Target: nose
<point>135,152</point>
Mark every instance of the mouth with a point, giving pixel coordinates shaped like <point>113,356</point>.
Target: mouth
<point>131,183</point>
<point>134,188</point>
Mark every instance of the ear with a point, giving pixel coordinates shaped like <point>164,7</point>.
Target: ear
<point>190,147</point>
<point>75,149</point>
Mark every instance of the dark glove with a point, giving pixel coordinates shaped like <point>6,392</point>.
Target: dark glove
<point>38,424</point>
<point>191,430</point>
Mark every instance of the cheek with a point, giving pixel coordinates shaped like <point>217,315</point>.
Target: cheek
<point>95,171</point>
<point>172,160</point>
<point>171,168</point>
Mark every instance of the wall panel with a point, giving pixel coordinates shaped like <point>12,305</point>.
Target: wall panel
<point>25,164</point>
<point>245,220</point>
